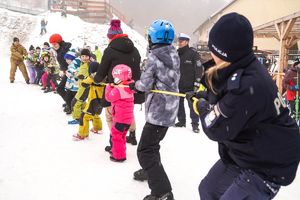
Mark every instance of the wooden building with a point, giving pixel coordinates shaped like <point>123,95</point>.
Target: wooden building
<point>258,12</point>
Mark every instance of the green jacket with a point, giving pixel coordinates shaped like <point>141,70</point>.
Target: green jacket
<point>52,66</point>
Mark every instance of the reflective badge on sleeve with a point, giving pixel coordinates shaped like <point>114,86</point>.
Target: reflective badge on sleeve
<point>210,118</point>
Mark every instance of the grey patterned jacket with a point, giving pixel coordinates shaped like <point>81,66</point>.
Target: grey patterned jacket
<point>162,72</point>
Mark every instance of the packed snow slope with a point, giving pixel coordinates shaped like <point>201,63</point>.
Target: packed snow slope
<point>39,160</point>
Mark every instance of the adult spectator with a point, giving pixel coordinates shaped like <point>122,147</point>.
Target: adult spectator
<point>191,71</point>
<point>120,50</point>
<point>18,53</point>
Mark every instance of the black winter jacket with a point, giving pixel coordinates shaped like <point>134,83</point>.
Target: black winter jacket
<point>63,49</point>
<point>254,129</point>
<point>120,51</point>
<point>191,69</point>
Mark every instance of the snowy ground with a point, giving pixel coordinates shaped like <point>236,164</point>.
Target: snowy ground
<point>39,160</point>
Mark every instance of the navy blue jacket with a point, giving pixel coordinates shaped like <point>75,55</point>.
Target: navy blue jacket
<point>191,69</point>
<point>253,128</point>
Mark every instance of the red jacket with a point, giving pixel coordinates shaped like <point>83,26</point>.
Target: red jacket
<point>122,103</point>
<point>290,80</point>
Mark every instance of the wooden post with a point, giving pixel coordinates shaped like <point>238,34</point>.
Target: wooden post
<point>283,29</point>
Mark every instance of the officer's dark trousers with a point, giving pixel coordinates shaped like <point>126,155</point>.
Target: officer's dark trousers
<point>149,158</point>
<point>181,113</point>
<point>229,182</point>
<point>61,87</point>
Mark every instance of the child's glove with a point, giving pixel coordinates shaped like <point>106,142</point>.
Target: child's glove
<point>132,86</point>
<point>87,82</point>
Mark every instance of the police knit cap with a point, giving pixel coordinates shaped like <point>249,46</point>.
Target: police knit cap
<point>231,38</point>
<point>114,29</point>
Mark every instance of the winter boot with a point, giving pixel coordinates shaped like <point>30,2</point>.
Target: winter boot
<point>27,81</point>
<point>43,88</point>
<point>195,128</point>
<point>47,90</point>
<point>166,196</point>
<point>73,122</point>
<point>180,124</point>
<point>77,137</point>
<point>108,149</point>
<point>67,110</point>
<point>116,160</point>
<point>131,138</point>
<point>96,131</point>
<point>11,81</point>
<point>64,105</point>
<point>140,175</point>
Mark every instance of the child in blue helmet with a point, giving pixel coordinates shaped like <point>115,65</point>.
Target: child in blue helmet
<point>161,73</point>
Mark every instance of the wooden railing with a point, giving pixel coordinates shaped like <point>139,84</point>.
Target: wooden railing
<point>89,10</point>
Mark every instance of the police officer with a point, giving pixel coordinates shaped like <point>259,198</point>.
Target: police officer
<point>191,71</point>
<point>259,143</point>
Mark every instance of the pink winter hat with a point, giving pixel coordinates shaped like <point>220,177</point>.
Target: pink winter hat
<point>114,29</point>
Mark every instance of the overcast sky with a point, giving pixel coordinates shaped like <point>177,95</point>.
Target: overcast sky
<point>186,15</point>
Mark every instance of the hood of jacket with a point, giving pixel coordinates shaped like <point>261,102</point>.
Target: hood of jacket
<point>122,43</point>
<point>165,54</point>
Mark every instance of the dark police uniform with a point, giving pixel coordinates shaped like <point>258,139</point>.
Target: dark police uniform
<point>258,140</point>
<point>191,71</point>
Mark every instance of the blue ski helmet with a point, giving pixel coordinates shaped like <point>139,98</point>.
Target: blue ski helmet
<point>161,32</point>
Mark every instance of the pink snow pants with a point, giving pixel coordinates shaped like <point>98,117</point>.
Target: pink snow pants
<point>44,81</point>
<point>118,133</point>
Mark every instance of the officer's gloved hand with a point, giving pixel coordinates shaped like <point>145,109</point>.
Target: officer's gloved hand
<point>202,106</point>
<point>189,95</point>
<point>202,94</point>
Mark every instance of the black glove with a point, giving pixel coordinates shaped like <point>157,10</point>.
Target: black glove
<point>189,95</point>
<point>85,85</point>
<point>202,106</point>
<point>201,94</point>
<point>132,86</point>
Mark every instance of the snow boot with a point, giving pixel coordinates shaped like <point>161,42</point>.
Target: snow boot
<point>47,90</point>
<point>12,81</point>
<point>77,137</point>
<point>131,138</point>
<point>108,149</point>
<point>27,82</point>
<point>195,128</point>
<point>180,124</point>
<point>140,175</point>
<point>67,110</point>
<point>96,131</point>
<point>116,160</point>
<point>73,122</point>
<point>166,196</point>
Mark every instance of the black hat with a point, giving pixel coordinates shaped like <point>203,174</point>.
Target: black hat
<point>47,44</point>
<point>31,47</point>
<point>231,38</point>
<point>85,52</point>
<point>16,39</point>
<point>93,67</point>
